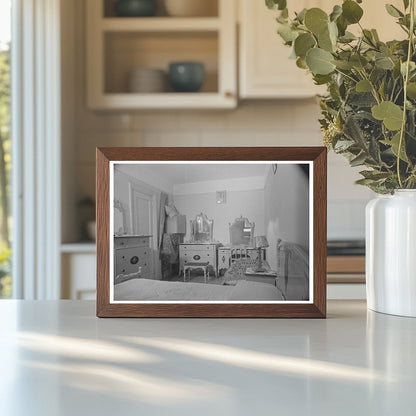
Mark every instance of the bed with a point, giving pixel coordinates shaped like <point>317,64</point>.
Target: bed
<point>156,290</point>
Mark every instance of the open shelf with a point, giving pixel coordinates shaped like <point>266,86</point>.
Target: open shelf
<point>119,45</point>
<point>168,100</point>
<point>211,9</point>
<point>160,24</point>
<point>80,247</point>
<point>127,51</point>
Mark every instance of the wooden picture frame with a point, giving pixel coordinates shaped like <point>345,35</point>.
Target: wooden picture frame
<point>315,304</point>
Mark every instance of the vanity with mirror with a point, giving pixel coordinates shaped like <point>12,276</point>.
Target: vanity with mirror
<point>201,250</point>
<point>241,245</point>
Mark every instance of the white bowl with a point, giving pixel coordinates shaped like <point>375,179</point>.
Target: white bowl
<point>191,8</point>
<point>147,80</point>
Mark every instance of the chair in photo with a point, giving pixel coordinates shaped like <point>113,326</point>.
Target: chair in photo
<point>188,267</point>
<point>237,270</point>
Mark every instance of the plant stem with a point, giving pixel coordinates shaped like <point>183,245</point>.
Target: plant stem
<point>346,75</point>
<point>406,80</point>
<point>373,88</point>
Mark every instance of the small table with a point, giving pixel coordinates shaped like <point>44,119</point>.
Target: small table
<point>194,266</point>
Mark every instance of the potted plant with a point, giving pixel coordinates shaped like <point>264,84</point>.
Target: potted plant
<point>369,116</point>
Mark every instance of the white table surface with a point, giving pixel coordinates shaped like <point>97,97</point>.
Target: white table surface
<point>57,358</point>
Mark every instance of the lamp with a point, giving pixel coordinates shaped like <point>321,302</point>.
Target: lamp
<point>260,242</point>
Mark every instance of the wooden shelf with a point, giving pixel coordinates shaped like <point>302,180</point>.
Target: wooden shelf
<point>346,264</point>
<point>87,247</point>
<point>160,24</point>
<point>117,45</point>
<point>199,100</point>
<point>346,269</point>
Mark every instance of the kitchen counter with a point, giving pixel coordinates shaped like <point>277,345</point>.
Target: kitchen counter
<point>57,358</point>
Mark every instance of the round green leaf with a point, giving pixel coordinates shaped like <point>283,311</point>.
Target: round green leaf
<point>276,4</point>
<point>328,38</point>
<point>391,114</point>
<point>301,63</point>
<point>336,12</point>
<point>303,43</point>
<point>363,86</point>
<point>358,61</point>
<point>333,32</point>
<point>344,65</point>
<point>324,41</point>
<point>394,144</point>
<point>384,62</point>
<point>351,11</point>
<point>393,11</point>
<point>287,33</point>
<point>411,90</point>
<point>316,20</point>
<point>319,61</point>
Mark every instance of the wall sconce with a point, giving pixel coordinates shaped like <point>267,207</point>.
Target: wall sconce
<point>221,197</point>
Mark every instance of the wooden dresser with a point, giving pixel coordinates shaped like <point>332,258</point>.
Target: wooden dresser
<point>199,253</point>
<point>132,252</point>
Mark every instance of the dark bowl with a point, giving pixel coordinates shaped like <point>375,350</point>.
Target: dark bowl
<point>186,76</point>
<point>135,8</point>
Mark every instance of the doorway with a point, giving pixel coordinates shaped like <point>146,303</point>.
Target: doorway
<point>143,219</point>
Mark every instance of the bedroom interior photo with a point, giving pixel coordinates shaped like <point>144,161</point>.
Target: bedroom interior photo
<point>211,232</point>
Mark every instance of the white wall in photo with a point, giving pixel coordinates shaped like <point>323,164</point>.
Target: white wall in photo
<point>249,204</point>
<point>286,207</point>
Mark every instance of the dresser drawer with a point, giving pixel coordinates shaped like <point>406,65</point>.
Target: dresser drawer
<point>197,257</point>
<point>198,247</point>
<point>128,260</point>
<point>120,242</point>
<point>128,269</point>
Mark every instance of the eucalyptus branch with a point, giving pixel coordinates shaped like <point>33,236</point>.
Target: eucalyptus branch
<point>398,95</point>
<point>392,91</point>
<point>406,80</point>
<point>346,75</point>
<point>365,61</point>
<point>373,88</point>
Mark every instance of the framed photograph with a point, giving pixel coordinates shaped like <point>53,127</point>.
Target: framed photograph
<point>211,232</point>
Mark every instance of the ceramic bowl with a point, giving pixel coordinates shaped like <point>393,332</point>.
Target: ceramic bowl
<point>147,80</point>
<point>191,8</point>
<point>135,8</point>
<point>186,76</point>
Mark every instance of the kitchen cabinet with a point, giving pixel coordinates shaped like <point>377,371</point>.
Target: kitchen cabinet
<point>118,45</point>
<point>265,70</point>
<point>78,264</point>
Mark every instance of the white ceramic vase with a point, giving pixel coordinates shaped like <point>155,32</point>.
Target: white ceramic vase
<point>391,253</point>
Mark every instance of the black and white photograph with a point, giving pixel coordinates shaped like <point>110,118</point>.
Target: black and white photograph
<point>218,232</point>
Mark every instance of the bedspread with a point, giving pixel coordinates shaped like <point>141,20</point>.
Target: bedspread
<point>155,290</point>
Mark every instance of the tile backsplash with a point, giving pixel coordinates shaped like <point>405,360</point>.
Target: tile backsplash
<point>258,123</point>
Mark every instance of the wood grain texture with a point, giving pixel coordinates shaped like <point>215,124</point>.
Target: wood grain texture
<point>317,309</point>
<point>346,264</point>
